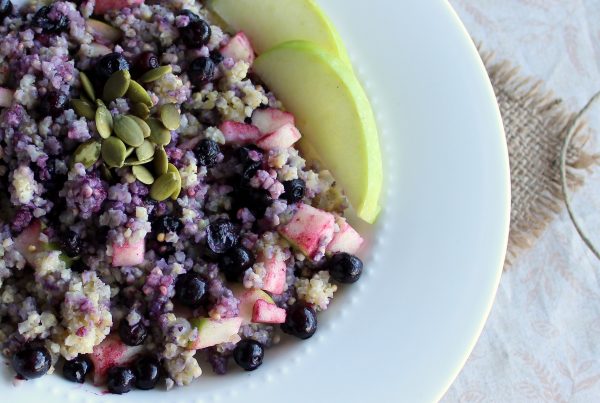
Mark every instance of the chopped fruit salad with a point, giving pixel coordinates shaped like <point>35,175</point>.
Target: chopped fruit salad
<point>157,219</point>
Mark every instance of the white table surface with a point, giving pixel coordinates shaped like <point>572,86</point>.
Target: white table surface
<point>542,340</point>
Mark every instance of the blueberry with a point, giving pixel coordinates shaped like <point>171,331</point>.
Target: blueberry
<point>78,266</point>
<point>190,289</point>
<point>201,71</point>
<point>31,362</point>
<point>216,56</point>
<point>146,61</point>
<point>162,249</point>
<point>196,34</point>
<point>235,262</point>
<point>192,16</point>
<point>53,104</point>
<point>294,190</point>
<point>132,335</point>
<point>120,380</point>
<point>6,8</point>
<point>221,236</point>
<point>109,64</point>
<point>249,354</point>
<point>42,19</point>
<point>71,244</point>
<point>147,372</point>
<point>167,223</point>
<point>345,268</point>
<point>301,321</point>
<point>255,200</point>
<point>207,152</point>
<point>76,369</point>
<point>250,165</point>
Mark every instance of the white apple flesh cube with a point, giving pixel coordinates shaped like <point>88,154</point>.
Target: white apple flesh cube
<point>28,242</point>
<point>346,240</point>
<point>6,97</point>
<point>110,353</point>
<point>103,32</point>
<point>281,138</point>
<point>102,6</point>
<point>274,281</point>
<point>239,49</point>
<point>265,312</point>
<point>270,119</point>
<point>248,298</point>
<point>212,332</point>
<point>129,254</point>
<point>240,133</point>
<point>308,229</point>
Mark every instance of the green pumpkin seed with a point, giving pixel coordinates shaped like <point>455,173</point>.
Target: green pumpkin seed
<point>105,173</point>
<point>142,174</point>
<point>129,131</point>
<point>131,161</point>
<point>137,93</point>
<point>104,122</point>
<point>159,134</point>
<point>140,110</point>
<point>164,186</point>
<point>87,153</point>
<point>83,108</point>
<point>170,116</point>
<point>161,161</point>
<point>113,152</point>
<point>87,86</point>
<point>142,124</point>
<point>129,151</point>
<point>100,103</point>
<point>155,74</point>
<point>173,169</point>
<point>117,85</point>
<point>145,151</point>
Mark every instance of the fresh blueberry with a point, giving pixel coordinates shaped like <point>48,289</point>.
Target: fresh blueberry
<point>76,369</point>
<point>345,268</point>
<point>109,64</point>
<point>146,61</point>
<point>192,16</point>
<point>216,56</point>
<point>221,236</point>
<point>132,335</point>
<point>120,380</point>
<point>190,289</point>
<point>78,266</point>
<point>255,200</point>
<point>301,321</point>
<point>42,19</point>
<point>53,104</point>
<point>201,71</point>
<point>6,8</point>
<point>196,34</point>
<point>249,354</point>
<point>31,362</point>
<point>294,190</point>
<point>147,372</point>
<point>235,262</point>
<point>167,223</point>
<point>207,152</point>
<point>71,243</point>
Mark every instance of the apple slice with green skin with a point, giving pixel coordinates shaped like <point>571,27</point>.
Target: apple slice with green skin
<point>212,332</point>
<point>334,116</point>
<point>248,298</point>
<point>271,22</point>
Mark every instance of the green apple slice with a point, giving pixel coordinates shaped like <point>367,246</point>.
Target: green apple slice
<point>271,22</point>
<point>333,114</point>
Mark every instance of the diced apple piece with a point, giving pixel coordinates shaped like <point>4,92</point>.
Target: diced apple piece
<point>281,138</point>
<point>129,254</point>
<point>102,6</point>
<point>103,32</point>
<point>110,353</point>
<point>239,49</point>
<point>212,332</point>
<point>247,299</point>
<point>240,133</point>
<point>28,242</point>
<point>265,312</point>
<point>6,97</point>
<point>346,240</point>
<point>270,119</point>
<point>93,50</point>
<point>274,281</point>
<point>308,229</point>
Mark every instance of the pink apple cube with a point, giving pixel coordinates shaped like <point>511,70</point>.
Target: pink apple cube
<point>265,312</point>
<point>129,254</point>
<point>281,138</point>
<point>248,298</point>
<point>28,242</point>
<point>270,119</point>
<point>110,353</point>
<point>102,6</point>
<point>240,133</point>
<point>274,281</point>
<point>6,97</point>
<point>309,229</point>
<point>346,240</point>
<point>239,48</point>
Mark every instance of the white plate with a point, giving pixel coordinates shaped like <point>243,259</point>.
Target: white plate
<point>405,330</point>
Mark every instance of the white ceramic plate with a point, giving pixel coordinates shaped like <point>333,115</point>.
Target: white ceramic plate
<point>405,330</point>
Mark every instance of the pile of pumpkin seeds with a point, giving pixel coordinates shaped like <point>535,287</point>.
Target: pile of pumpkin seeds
<point>134,140</point>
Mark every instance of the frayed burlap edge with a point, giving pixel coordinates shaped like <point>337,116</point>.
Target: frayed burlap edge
<point>541,114</point>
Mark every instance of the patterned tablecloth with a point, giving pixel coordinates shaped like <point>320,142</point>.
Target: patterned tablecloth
<point>542,340</point>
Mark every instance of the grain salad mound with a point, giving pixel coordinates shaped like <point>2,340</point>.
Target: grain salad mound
<point>154,211</point>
